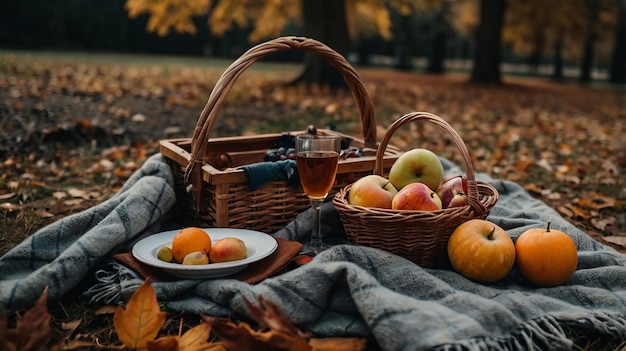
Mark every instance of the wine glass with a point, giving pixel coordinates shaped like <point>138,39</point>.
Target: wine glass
<point>317,158</point>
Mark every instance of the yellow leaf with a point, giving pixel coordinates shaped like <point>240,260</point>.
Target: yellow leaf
<point>338,344</point>
<point>196,339</point>
<point>141,321</point>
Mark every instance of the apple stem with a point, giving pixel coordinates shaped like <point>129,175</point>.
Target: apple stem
<point>490,236</point>
<point>548,227</point>
<point>384,186</point>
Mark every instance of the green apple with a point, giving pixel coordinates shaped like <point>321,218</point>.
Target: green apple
<point>372,191</point>
<point>417,166</point>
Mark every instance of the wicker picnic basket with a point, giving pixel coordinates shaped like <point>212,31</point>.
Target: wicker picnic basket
<point>212,191</point>
<point>420,236</point>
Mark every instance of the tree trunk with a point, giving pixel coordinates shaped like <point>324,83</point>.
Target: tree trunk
<point>587,60</point>
<point>325,21</point>
<point>487,57</point>
<point>437,53</point>
<point>590,40</point>
<point>364,52</point>
<point>618,60</point>
<point>557,73</point>
<point>439,40</point>
<point>403,44</point>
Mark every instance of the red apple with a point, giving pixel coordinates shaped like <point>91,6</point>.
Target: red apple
<point>416,196</point>
<point>453,192</point>
<point>416,166</point>
<point>372,191</point>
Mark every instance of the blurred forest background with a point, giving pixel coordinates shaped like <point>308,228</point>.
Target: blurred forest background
<point>583,40</point>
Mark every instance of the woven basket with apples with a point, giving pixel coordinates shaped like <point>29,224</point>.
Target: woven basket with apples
<point>413,215</point>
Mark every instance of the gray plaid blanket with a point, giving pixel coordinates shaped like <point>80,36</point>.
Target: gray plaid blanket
<point>347,290</point>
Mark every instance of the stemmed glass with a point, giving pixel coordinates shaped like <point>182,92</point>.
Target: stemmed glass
<point>317,158</point>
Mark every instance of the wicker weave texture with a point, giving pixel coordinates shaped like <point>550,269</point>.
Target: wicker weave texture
<point>420,236</point>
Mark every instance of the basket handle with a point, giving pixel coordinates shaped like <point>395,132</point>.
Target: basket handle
<point>208,115</point>
<point>472,185</point>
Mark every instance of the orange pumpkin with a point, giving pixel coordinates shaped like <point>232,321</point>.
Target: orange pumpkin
<point>546,257</point>
<point>481,251</point>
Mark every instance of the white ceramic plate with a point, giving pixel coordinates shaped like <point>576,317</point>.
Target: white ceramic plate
<point>259,245</point>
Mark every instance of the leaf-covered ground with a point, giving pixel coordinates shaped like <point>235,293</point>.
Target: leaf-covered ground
<point>72,129</point>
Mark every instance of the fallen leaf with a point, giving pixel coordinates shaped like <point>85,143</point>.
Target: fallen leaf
<point>138,118</point>
<point>338,344</point>
<point>554,196</point>
<point>545,164</point>
<point>196,339</point>
<point>59,195</point>
<point>142,319</point>
<point>77,193</point>
<point>596,201</point>
<point>108,309</point>
<point>73,202</point>
<point>10,207</point>
<point>537,189</point>
<point>269,315</point>
<point>71,326</point>
<point>166,343</point>
<point>617,240</point>
<point>7,196</point>
<point>574,212</point>
<point>33,329</point>
<point>241,336</point>
<point>7,336</point>
<point>330,108</point>
<point>43,213</point>
<point>107,165</point>
<point>604,224</point>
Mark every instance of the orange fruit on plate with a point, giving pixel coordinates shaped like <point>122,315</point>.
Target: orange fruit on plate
<point>190,239</point>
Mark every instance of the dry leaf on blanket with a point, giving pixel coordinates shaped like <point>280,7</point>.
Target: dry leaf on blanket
<point>268,315</point>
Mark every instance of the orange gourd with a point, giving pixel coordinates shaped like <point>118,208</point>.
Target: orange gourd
<point>546,257</point>
<point>481,251</point>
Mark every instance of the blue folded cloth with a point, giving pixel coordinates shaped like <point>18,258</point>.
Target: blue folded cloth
<point>262,173</point>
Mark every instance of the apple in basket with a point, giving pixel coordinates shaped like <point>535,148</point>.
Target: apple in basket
<point>372,191</point>
<point>481,251</point>
<point>453,192</point>
<point>416,196</point>
<point>416,166</point>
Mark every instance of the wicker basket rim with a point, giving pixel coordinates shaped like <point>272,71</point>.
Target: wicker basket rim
<point>486,202</point>
<point>209,114</point>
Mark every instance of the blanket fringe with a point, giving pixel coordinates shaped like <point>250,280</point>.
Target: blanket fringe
<point>115,281</point>
<point>543,333</point>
